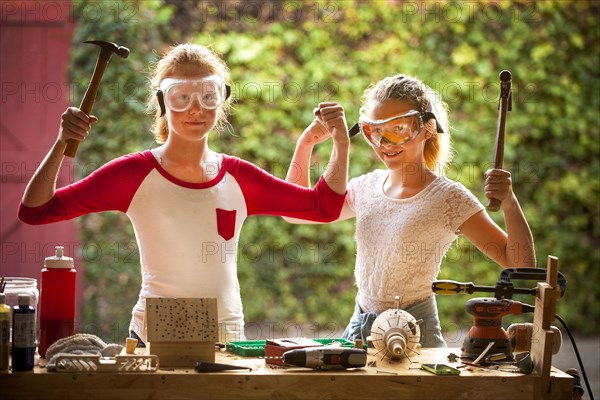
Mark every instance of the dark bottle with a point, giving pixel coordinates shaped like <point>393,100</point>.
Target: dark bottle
<point>23,344</point>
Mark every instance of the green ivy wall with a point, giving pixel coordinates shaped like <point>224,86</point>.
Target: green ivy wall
<point>287,57</point>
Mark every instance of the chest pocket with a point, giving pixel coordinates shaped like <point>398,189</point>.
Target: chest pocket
<point>226,223</point>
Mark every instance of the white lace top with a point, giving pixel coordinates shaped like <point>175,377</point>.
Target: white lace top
<point>401,242</point>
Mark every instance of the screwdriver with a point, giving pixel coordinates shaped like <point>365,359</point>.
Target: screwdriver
<point>448,287</point>
<point>203,366</point>
<point>326,358</point>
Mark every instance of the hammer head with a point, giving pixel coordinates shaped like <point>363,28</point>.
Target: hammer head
<point>108,48</point>
<point>505,76</point>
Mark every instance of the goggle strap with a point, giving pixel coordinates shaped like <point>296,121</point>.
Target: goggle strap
<point>438,127</point>
<point>161,102</point>
<point>354,130</point>
<point>429,114</point>
<point>161,99</point>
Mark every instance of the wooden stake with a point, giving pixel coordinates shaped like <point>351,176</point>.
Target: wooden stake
<point>543,337</point>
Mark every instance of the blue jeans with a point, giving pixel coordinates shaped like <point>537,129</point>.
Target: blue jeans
<point>134,335</point>
<point>360,323</point>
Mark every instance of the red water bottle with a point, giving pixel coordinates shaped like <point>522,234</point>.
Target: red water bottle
<point>57,300</point>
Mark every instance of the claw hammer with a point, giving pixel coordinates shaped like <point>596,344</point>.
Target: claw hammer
<point>106,51</point>
<point>504,105</point>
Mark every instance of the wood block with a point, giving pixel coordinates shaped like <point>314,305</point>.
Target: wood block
<point>542,342</point>
<point>182,354</point>
<point>183,331</point>
<point>552,280</point>
<point>181,320</point>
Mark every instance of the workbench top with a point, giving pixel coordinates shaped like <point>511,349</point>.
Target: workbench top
<point>386,379</point>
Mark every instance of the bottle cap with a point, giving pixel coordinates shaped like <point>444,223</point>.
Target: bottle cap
<point>58,260</point>
<point>2,298</point>
<point>23,300</point>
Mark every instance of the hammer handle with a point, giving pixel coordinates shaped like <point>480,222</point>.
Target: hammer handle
<point>88,101</point>
<point>503,107</point>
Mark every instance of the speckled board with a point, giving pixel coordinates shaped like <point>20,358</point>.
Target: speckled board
<point>181,320</point>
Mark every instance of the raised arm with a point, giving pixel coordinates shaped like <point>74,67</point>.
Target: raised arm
<point>75,124</point>
<point>299,170</point>
<point>336,173</point>
<point>513,248</point>
<point>330,123</point>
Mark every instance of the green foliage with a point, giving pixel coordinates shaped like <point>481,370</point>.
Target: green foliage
<point>284,60</point>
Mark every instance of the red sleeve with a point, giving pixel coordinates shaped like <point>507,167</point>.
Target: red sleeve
<point>111,187</point>
<point>268,195</point>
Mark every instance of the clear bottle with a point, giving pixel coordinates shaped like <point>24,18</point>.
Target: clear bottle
<point>16,286</point>
<point>57,300</point>
<point>5,313</point>
<point>23,344</point>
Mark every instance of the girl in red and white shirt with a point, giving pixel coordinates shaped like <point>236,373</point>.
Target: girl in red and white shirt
<point>182,197</point>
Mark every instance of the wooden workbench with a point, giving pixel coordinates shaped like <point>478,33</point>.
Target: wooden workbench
<point>386,380</point>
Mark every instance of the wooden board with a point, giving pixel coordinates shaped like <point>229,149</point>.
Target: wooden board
<point>181,320</point>
<point>542,339</point>
<point>386,380</point>
<point>182,354</point>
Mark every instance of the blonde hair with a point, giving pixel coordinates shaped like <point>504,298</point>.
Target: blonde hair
<point>438,148</point>
<point>203,58</point>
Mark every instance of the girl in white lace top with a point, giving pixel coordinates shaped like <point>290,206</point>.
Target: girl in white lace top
<point>409,214</point>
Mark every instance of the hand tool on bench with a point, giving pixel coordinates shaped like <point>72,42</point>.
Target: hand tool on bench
<point>203,366</point>
<point>504,105</point>
<point>106,51</point>
<point>326,358</point>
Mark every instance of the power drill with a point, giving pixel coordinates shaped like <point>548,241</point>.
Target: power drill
<point>326,358</point>
<point>487,325</point>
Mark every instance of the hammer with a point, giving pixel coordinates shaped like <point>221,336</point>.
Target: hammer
<point>504,105</point>
<point>106,51</point>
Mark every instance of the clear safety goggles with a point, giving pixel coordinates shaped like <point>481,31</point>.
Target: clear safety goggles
<point>179,94</point>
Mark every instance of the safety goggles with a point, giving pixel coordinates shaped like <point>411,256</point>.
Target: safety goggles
<point>394,131</point>
<point>180,94</point>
